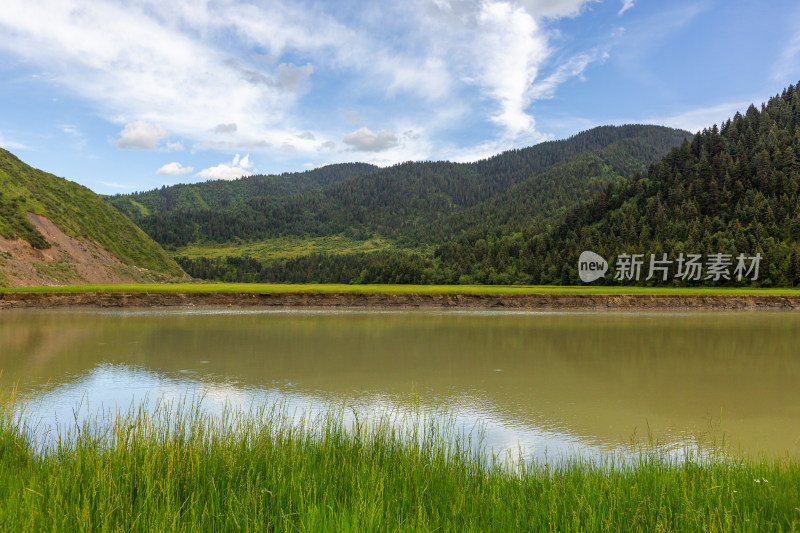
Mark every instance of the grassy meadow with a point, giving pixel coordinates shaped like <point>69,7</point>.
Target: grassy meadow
<point>180,469</point>
<point>283,247</point>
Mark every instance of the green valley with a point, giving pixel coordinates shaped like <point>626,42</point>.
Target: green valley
<point>356,223</point>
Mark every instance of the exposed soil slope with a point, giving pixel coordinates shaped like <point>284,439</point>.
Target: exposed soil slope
<point>68,260</point>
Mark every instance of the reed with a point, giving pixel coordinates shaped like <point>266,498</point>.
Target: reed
<point>179,468</point>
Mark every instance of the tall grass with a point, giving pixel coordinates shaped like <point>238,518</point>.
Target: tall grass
<point>178,468</point>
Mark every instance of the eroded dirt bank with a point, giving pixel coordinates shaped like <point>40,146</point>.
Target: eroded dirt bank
<point>466,301</point>
<point>69,260</point>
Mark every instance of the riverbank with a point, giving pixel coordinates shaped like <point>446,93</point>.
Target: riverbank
<point>176,468</point>
<point>400,297</point>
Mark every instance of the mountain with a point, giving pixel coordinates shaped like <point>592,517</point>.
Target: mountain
<point>412,204</point>
<point>726,197</point>
<point>731,190</point>
<point>54,231</point>
<point>402,214</point>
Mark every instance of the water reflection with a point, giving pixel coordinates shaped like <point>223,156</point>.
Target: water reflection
<point>548,383</point>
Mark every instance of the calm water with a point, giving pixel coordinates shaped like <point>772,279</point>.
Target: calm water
<point>548,383</point>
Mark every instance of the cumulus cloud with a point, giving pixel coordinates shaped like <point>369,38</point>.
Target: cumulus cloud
<point>512,48</point>
<point>229,171</point>
<point>626,5</point>
<point>141,135</point>
<point>225,128</point>
<point>366,140</point>
<point>166,64</point>
<point>173,169</point>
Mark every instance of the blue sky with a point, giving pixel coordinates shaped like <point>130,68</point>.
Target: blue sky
<point>123,95</point>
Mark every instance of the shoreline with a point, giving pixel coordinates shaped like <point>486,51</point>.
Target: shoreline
<point>532,302</point>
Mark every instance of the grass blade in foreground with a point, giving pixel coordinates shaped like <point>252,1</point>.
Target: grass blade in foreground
<point>180,469</point>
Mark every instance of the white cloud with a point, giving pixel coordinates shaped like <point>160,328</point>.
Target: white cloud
<point>228,145</point>
<point>626,5</point>
<point>173,169</point>
<point>197,69</point>
<point>366,140</point>
<point>573,67</point>
<point>225,128</point>
<point>501,47</point>
<point>229,171</point>
<point>785,69</point>
<point>511,48</point>
<point>115,185</point>
<point>695,120</point>
<point>554,8</point>
<point>141,135</point>
<point>73,131</point>
<point>11,145</point>
<point>287,77</point>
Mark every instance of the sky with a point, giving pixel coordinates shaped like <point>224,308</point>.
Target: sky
<point>124,96</point>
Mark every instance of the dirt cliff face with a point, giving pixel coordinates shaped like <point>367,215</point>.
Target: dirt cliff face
<point>543,302</point>
<point>68,261</point>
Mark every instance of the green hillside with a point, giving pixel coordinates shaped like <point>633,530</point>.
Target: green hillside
<point>416,204</point>
<point>221,194</point>
<point>77,211</point>
<point>731,190</point>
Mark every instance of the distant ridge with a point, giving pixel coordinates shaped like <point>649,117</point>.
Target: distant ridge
<point>415,203</point>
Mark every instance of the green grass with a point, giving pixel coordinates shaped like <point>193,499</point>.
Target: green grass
<point>283,247</point>
<point>180,469</point>
<point>210,287</point>
<point>59,271</point>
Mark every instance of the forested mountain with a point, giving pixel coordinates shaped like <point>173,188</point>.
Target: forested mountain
<point>732,190</point>
<point>546,196</point>
<point>729,192</point>
<point>55,231</point>
<point>413,204</point>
